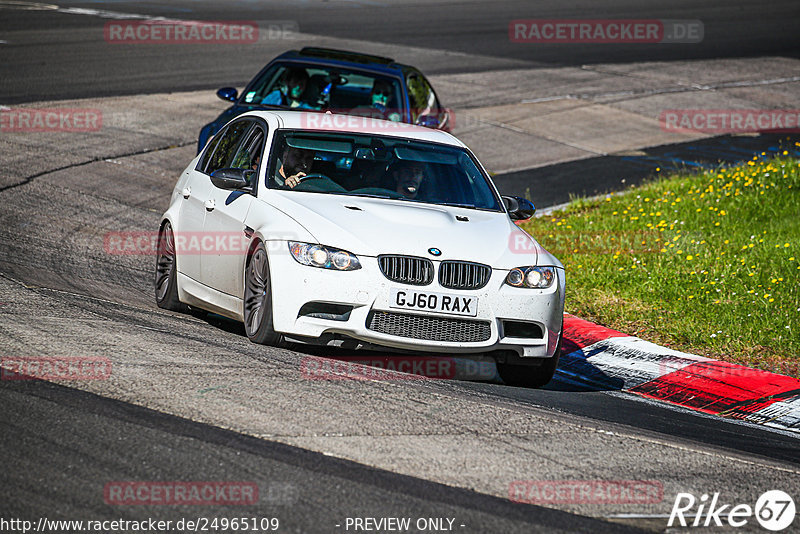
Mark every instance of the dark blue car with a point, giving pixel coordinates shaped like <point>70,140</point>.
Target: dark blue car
<point>339,81</point>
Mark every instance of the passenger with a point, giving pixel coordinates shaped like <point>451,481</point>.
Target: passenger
<point>290,90</point>
<point>407,177</point>
<point>293,166</point>
<point>244,160</point>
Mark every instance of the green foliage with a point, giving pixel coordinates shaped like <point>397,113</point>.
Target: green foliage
<point>707,263</point>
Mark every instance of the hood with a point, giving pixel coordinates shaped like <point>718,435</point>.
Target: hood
<point>371,227</point>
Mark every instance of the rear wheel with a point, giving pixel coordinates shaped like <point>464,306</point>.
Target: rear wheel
<point>166,278</point>
<point>258,300</point>
<point>530,375</point>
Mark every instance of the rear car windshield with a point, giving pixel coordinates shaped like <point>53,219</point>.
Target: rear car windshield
<point>293,85</point>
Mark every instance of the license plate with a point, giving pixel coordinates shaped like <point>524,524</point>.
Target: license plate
<point>407,299</point>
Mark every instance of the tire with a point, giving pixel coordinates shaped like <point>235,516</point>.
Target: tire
<point>529,375</point>
<point>166,278</point>
<point>257,306</point>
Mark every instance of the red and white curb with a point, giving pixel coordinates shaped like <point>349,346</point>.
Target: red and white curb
<point>601,358</point>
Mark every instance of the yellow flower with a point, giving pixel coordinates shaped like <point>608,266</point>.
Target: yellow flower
<point>689,257</point>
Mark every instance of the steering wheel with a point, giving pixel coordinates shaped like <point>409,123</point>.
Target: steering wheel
<point>312,176</point>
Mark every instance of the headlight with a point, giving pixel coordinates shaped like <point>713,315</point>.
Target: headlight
<point>533,277</point>
<point>323,257</point>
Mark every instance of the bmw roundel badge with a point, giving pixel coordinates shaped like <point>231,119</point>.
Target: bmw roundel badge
<point>435,251</point>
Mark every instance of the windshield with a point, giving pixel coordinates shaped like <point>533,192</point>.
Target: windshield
<point>377,166</point>
<point>293,85</point>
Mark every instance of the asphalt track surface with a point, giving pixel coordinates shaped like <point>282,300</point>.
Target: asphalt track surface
<point>53,55</point>
<point>79,433</point>
<point>159,420</point>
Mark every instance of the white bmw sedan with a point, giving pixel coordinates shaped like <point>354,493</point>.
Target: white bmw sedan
<point>330,229</point>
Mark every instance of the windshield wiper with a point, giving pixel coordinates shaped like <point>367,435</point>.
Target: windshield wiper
<point>369,195</point>
<point>457,205</point>
<point>266,106</point>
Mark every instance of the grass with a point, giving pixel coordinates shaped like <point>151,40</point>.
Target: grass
<point>705,263</point>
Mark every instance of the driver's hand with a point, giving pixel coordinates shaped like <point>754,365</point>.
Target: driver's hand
<point>294,179</point>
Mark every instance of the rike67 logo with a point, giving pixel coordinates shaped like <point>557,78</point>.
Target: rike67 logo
<point>774,510</point>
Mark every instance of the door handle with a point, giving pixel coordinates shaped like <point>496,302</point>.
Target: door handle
<point>210,204</point>
<point>187,192</point>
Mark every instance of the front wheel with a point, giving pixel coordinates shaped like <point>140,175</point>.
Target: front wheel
<point>166,279</point>
<point>530,375</point>
<point>258,300</point>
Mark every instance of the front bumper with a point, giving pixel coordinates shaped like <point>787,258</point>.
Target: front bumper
<point>367,292</point>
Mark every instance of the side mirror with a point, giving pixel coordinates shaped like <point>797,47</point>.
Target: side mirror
<point>234,179</point>
<point>429,121</point>
<point>228,94</point>
<point>519,208</point>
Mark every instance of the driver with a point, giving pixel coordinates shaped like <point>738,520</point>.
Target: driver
<point>293,166</point>
<point>407,176</point>
<point>290,90</point>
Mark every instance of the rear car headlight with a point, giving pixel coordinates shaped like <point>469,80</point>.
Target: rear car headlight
<point>323,257</point>
<point>532,277</point>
